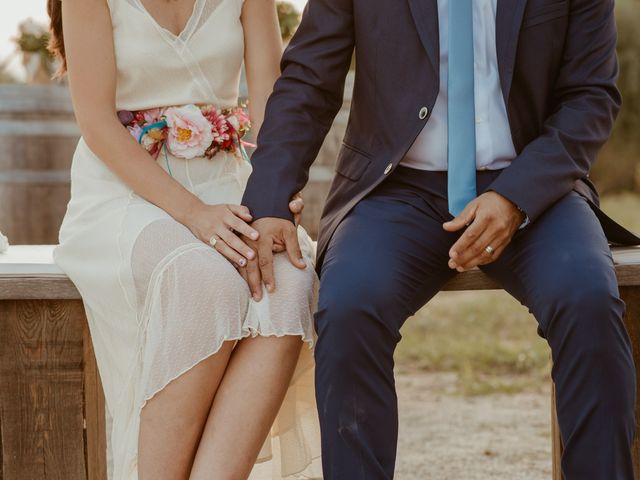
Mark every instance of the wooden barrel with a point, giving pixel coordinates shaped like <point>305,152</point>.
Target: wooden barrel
<point>38,135</point>
<point>322,171</point>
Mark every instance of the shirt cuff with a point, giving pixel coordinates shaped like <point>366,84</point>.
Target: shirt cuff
<point>525,223</point>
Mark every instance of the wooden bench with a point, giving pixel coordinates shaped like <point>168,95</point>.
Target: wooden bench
<point>52,417</point>
<point>51,405</point>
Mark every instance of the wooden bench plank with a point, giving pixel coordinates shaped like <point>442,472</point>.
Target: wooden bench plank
<point>58,286</point>
<point>37,288</point>
<point>41,390</point>
<point>631,296</point>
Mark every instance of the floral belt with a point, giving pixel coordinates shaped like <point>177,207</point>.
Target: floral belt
<point>189,131</point>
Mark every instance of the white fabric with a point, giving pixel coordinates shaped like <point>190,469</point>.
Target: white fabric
<point>494,146</point>
<point>29,261</point>
<point>4,243</point>
<point>158,300</point>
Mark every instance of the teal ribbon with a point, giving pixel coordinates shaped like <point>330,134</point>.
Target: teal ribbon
<point>242,150</point>
<point>153,126</point>
<point>158,125</point>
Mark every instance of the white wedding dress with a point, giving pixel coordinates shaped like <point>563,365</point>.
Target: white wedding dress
<point>158,300</point>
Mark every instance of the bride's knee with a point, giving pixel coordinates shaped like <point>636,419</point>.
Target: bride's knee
<point>292,282</point>
<point>209,278</point>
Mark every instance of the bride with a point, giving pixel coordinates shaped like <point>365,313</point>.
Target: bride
<point>197,370</point>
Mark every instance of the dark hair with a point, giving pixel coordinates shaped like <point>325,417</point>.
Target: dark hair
<point>56,43</point>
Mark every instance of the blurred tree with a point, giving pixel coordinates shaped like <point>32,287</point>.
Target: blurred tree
<point>289,18</point>
<point>32,43</point>
<point>619,165</point>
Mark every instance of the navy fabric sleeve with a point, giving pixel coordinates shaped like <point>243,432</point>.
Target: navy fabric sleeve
<point>586,103</point>
<point>301,109</point>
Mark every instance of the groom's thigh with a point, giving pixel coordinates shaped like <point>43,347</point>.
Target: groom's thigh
<point>561,268</point>
<point>559,265</point>
<point>384,262</point>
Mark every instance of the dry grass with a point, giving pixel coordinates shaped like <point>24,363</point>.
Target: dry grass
<point>624,208</point>
<point>487,338</point>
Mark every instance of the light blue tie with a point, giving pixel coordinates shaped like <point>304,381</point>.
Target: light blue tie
<point>461,116</point>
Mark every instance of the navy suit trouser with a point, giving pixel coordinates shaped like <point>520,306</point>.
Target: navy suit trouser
<point>389,257</point>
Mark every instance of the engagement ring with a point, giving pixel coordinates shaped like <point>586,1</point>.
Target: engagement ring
<point>489,250</point>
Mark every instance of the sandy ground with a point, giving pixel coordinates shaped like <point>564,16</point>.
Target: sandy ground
<point>444,436</point>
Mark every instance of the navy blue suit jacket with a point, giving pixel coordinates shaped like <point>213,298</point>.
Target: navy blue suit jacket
<point>558,72</point>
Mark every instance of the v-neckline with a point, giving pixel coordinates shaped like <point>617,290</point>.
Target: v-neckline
<point>165,29</point>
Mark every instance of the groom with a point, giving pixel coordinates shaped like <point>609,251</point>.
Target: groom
<point>473,128</point>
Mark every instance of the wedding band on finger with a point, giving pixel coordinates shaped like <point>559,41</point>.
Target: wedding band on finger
<point>489,250</point>
<point>213,241</point>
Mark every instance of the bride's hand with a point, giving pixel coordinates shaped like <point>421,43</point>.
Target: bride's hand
<point>215,225</point>
<point>296,206</point>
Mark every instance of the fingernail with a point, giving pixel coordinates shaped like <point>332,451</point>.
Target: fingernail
<point>453,265</point>
<point>254,235</point>
<point>242,262</point>
<point>249,254</point>
<point>269,288</point>
<point>454,254</point>
<point>460,269</point>
<point>256,297</point>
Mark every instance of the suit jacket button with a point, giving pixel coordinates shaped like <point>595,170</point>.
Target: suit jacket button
<point>424,111</point>
<point>387,170</point>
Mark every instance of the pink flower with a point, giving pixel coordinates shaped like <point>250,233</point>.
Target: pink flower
<point>153,116</point>
<point>234,121</point>
<point>189,133</point>
<point>135,130</point>
<point>243,119</point>
<point>219,126</point>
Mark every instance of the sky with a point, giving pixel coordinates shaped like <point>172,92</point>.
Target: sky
<point>13,12</point>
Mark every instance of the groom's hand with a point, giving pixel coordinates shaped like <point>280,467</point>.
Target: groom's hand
<point>272,231</point>
<point>491,222</point>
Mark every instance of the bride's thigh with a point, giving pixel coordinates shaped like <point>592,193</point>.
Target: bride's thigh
<point>296,291</point>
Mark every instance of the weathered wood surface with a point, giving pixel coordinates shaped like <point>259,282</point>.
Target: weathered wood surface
<point>60,287</point>
<point>38,135</point>
<point>631,296</point>
<point>37,288</point>
<point>45,364</point>
<point>94,414</point>
<point>556,443</point>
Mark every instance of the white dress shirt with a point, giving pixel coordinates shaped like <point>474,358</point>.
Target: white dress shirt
<point>494,146</point>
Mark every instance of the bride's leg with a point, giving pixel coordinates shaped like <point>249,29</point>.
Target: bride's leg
<point>256,381</point>
<point>194,303</point>
<point>245,407</point>
<point>172,422</point>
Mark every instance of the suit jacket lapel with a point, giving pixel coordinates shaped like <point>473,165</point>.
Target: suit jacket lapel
<point>508,22</point>
<point>425,16</point>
